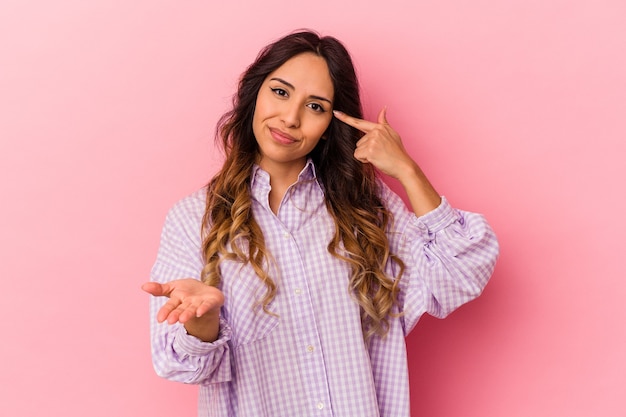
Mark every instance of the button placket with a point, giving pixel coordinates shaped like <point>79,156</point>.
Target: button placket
<point>313,367</point>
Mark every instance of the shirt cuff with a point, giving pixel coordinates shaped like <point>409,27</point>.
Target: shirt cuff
<point>191,345</point>
<point>436,220</point>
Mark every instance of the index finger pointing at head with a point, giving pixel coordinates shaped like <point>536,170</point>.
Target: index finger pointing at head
<point>360,124</point>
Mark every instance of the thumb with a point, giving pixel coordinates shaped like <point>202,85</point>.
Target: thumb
<point>382,116</point>
<point>155,288</point>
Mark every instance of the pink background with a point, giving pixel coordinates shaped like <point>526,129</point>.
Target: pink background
<point>516,109</point>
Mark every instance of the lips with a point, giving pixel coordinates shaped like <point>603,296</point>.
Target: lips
<point>282,137</point>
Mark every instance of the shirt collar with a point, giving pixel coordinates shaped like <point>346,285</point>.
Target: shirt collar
<point>308,172</point>
<point>263,178</point>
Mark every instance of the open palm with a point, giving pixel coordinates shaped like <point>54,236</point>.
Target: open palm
<point>188,298</point>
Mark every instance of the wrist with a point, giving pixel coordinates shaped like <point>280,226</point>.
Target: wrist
<point>205,328</point>
<point>422,195</point>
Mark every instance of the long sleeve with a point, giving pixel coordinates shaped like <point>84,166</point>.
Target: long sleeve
<point>176,355</point>
<point>449,255</point>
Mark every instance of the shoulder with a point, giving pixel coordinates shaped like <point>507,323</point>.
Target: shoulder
<point>193,202</point>
<point>188,211</point>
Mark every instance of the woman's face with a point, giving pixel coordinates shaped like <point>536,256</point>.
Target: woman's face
<point>293,110</point>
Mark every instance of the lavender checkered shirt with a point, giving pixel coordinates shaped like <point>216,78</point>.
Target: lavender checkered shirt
<point>310,359</point>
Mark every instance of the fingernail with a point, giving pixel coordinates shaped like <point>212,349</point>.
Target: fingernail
<point>337,113</point>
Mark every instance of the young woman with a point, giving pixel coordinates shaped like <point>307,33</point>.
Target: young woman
<point>287,285</point>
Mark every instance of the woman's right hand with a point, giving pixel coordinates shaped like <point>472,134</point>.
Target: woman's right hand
<point>192,303</point>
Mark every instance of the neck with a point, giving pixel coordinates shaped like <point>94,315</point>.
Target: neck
<point>282,176</point>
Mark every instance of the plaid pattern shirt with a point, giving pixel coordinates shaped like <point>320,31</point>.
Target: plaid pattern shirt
<point>309,358</point>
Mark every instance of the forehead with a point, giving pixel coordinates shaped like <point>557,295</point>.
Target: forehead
<point>307,72</point>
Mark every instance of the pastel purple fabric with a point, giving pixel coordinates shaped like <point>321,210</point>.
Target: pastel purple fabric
<point>309,358</point>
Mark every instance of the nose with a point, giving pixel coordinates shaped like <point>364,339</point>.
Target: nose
<point>291,115</point>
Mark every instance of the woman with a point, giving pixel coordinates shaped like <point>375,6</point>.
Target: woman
<point>287,285</point>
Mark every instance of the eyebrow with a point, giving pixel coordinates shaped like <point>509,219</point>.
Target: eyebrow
<point>280,80</point>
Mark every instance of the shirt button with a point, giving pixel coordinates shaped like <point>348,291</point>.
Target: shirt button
<point>286,235</point>
<point>310,348</point>
<point>320,406</point>
<point>298,291</point>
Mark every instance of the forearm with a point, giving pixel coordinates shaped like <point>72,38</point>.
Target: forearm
<point>422,195</point>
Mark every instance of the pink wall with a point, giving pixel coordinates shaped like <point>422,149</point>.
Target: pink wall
<point>516,109</point>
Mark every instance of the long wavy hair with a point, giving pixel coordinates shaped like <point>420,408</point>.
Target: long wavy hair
<point>230,231</point>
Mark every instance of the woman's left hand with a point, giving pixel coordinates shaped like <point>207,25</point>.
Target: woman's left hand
<point>381,146</point>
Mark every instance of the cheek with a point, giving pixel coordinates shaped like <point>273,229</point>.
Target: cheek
<point>322,127</point>
<point>265,103</point>
<point>258,108</point>
<point>258,116</point>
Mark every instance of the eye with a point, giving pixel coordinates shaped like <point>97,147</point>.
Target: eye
<point>316,107</point>
<point>280,92</point>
